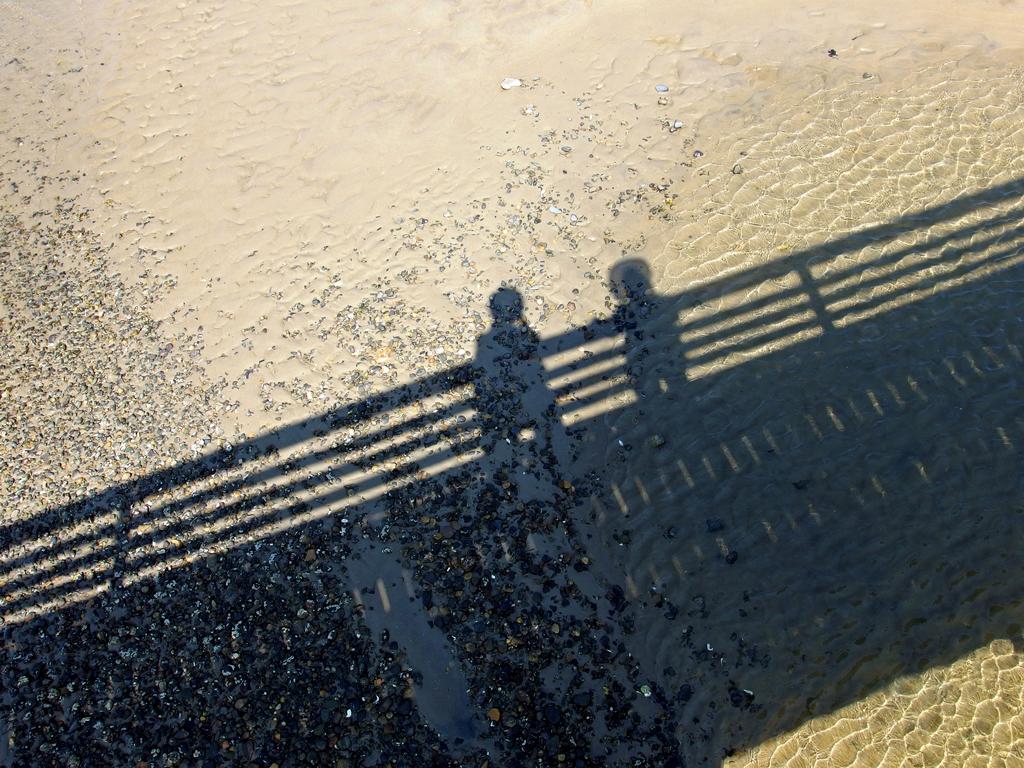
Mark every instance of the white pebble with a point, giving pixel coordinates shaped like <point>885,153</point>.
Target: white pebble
<point>510,82</point>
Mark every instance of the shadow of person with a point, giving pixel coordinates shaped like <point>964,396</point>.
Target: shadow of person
<point>520,431</point>
<point>654,360</point>
<point>504,575</point>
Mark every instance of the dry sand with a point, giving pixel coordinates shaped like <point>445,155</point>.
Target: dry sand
<point>313,204</point>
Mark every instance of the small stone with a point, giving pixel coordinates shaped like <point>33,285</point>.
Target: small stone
<point>310,555</point>
<point>657,440</point>
<point>661,88</point>
<point>510,82</point>
<point>645,690</point>
<point>494,714</point>
<point>737,169</point>
<point>566,149</point>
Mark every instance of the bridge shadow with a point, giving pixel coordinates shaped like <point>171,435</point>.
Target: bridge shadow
<point>680,530</point>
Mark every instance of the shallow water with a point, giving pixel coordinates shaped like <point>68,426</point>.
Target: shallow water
<point>832,370</point>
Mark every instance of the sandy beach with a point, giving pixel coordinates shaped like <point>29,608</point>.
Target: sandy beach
<point>537,383</point>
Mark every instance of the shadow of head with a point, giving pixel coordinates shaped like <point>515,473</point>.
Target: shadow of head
<point>630,280</point>
<point>506,306</point>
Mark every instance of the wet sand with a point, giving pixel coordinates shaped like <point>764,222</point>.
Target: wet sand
<point>250,254</point>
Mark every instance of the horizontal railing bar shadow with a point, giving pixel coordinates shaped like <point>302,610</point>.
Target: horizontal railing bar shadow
<point>382,407</point>
<point>863,238</point>
<point>832,278</point>
<point>239,528</point>
<point>337,451</point>
<point>855,289</point>
<point>999,260</point>
<point>276,440</point>
<point>925,284</point>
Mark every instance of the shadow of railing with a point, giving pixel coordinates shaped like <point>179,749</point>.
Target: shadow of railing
<point>108,538</point>
<point>821,394</point>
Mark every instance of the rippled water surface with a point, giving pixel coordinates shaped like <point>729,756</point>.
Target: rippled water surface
<point>818,496</point>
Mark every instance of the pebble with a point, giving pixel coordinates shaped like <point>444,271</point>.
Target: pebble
<point>510,82</point>
<point>661,88</point>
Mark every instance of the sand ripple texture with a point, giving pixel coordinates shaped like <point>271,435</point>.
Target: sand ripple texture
<point>847,416</point>
<point>288,178</point>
